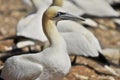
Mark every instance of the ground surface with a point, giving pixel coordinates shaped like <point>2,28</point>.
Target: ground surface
<point>13,10</point>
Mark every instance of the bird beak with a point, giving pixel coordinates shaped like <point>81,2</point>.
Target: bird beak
<point>67,16</point>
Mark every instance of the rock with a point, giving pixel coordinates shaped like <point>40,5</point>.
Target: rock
<point>15,14</point>
<point>102,27</point>
<point>113,55</point>
<point>3,31</point>
<point>117,22</point>
<point>118,43</point>
<point>79,77</point>
<point>105,78</point>
<point>106,22</point>
<point>2,48</point>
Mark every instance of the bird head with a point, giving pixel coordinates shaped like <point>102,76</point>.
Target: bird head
<point>58,14</point>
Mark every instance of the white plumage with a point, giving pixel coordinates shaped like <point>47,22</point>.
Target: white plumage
<point>79,40</point>
<point>52,63</point>
<point>98,8</point>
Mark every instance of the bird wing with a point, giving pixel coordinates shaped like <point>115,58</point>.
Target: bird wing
<point>93,40</point>
<point>63,26</point>
<point>30,25</point>
<point>17,68</point>
<point>78,44</point>
<point>23,22</point>
<point>94,8</point>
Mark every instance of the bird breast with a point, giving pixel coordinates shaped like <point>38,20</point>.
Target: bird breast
<point>57,61</point>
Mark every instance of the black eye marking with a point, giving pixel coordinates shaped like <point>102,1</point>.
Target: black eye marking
<point>60,13</point>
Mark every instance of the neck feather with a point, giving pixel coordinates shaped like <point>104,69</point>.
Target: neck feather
<point>57,3</point>
<point>51,32</point>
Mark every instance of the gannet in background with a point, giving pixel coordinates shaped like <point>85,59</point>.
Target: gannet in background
<point>67,5</point>
<point>94,8</point>
<point>53,63</point>
<point>27,25</point>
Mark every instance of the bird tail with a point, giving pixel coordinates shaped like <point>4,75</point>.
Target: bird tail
<point>106,64</point>
<point>101,58</point>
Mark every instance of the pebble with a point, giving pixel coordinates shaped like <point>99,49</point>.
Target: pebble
<point>79,77</point>
<point>112,54</point>
<point>106,78</point>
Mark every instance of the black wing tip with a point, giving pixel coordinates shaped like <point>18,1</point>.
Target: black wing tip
<point>103,59</point>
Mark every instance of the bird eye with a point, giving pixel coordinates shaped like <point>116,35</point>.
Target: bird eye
<point>59,13</point>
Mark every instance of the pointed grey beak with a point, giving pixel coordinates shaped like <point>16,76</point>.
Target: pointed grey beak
<point>67,16</point>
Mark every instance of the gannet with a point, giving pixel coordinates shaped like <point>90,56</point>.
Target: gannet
<point>53,63</point>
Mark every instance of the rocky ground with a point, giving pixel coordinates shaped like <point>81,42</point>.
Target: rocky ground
<point>11,11</point>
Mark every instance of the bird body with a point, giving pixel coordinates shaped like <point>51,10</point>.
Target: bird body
<point>45,65</point>
<point>53,63</point>
<point>83,41</point>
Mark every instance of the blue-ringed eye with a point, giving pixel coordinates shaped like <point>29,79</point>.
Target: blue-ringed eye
<point>59,13</point>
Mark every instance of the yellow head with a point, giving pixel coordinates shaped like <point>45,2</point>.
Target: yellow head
<point>57,3</point>
<point>56,13</point>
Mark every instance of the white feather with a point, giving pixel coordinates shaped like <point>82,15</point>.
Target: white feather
<point>53,63</point>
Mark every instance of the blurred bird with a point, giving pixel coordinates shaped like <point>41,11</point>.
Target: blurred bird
<point>87,8</point>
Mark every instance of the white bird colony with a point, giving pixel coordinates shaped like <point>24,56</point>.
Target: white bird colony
<point>52,63</point>
<point>84,9</point>
<point>86,44</point>
<point>81,7</point>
